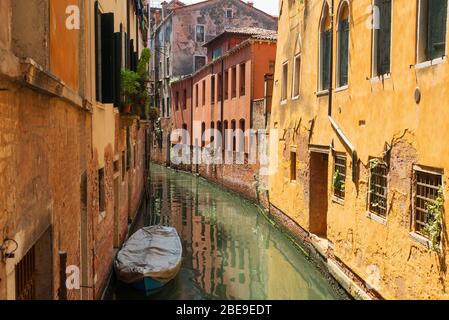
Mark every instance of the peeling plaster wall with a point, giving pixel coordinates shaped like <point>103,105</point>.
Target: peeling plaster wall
<point>370,114</point>
<point>212,15</point>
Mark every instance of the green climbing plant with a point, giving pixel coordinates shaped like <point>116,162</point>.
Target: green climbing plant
<point>435,223</point>
<point>338,181</point>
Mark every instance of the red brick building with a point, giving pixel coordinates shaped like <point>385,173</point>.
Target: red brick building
<point>231,92</point>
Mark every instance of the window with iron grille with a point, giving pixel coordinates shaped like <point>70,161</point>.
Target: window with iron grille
<point>427,186</point>
<point>378,191</point>
<point>25,272</point>
<point>339,177</point>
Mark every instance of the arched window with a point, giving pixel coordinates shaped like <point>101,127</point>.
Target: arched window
<point>343,44</point>
<point>242,136</point>
<point>325,50</point>
<point>234,140</point>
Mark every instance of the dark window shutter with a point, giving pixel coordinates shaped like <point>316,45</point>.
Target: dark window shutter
<point>326,59</point>
<point>98,53</point>
<point>344,52</point>
<point>131,55</point>
<point>107,44</point>
<point>117,69</point>
<point>384,38</point>
<point>436,36</point>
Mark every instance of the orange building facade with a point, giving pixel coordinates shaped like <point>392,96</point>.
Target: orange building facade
<point>227,94</point>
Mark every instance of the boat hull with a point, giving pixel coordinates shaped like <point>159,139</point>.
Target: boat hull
<point>149,286</point>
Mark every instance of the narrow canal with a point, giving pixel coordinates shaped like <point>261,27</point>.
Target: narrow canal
<point>230,250</point>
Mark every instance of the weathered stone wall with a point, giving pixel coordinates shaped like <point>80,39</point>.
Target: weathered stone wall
<point>43,142</point>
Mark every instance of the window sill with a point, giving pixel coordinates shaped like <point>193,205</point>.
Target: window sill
<point>337,200</point>
<point>295,98</point>
<point>430,63</point>
<point>420,239</point>
<point>322,93</point>
<point>381,78</point>
<point>283,102</point>
<point>342,88</point>
<point>376,218</point>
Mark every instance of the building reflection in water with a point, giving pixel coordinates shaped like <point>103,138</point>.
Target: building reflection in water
<point>230,250</point>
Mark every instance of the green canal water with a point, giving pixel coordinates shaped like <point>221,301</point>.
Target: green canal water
<point>231,251</point>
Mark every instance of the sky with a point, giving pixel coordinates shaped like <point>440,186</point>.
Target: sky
<point>269,6</point>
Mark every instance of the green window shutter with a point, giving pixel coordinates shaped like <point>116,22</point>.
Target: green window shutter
<point>107,45</point>
<point>117,69</point>
<point>344,52</point>
<point>326,59</point>
<point>384,38</point>
<point>98,53</point>
<point>436,32</point>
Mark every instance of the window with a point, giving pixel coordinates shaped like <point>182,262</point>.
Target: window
<point>184,134</point>
<point>212,90</point>
<point>325,49</point>
<point>426,190</point>
<point>135,157</point>
<point>217,53</point>
<point>242,79</point>
<point>199,62</point>
<point>292,166</point>
<point>212,132</point>
<point>234,82</point>
<point>184,100</point>
<point>343,46</point>
<point>339,177</point>
<point>104,56</point>
<point>203,131</point>
<point>296,76</point>
<point>378,188</point>
<point>199,33</point>
<point>167,70</point>
<point>196,95</point>
<point>123,166</point>
<point>177,100</point>
<point>101,191</point>
<point>220,87</point>
<point>242,136</point>
<point>203,93</point>
<point>432,17</point>
<point>284,82</point>
<point>381,37</point>
<point>168,107</point>
<point>229,13</point>
<point>234,138</point>
<point>226,85</point>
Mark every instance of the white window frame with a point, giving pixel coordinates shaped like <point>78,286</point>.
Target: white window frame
<point>339,87</point>
<point>284,82</point>
<point>204,33</point>
<point>374,35</point>
<point>423,62</point>
<point>295,70</point>
<point>198,55</point>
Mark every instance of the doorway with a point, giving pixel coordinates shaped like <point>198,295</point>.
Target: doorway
<point>318,193</point>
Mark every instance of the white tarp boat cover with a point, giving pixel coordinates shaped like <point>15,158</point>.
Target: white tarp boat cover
<point>154,252</point>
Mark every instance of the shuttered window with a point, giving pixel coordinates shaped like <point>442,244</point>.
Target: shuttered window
<point>383,45</point>
<point>436,33</point>
<point>104,55</point>
<point>325,59</point>
<point>343,48</point>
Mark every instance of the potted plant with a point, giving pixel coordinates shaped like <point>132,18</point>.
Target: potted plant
<point>130,88</point>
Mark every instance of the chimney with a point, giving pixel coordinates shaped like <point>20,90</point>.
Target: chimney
<point>251,3</point>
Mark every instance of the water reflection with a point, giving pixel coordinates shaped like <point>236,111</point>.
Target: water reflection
<point>230,250</point>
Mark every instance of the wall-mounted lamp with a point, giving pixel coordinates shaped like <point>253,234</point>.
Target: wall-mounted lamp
<point>7,253</point>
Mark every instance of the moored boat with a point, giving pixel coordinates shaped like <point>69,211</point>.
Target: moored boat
<point>150,258</point>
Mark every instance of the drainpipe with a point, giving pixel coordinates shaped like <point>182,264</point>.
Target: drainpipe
<point>332,60</point>
<point>191,122</point>
<point>334,124</point>
<point>222,105</point>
